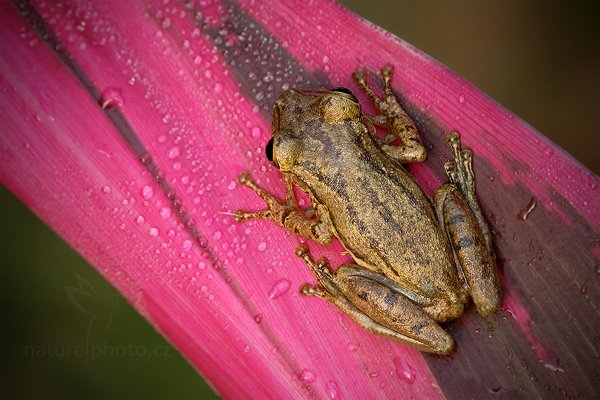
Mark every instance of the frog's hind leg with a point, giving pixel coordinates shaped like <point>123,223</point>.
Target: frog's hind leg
<point>400,125</point>
<point>376,305</point>
<point>287,214</point>
<point>460,216</point>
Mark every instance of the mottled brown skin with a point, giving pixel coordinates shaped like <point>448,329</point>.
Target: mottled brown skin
<point>418,262</point>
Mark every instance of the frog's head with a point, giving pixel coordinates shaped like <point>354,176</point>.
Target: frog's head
<point>302,117</point>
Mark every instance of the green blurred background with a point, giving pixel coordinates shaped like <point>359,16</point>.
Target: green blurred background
<point>540,59</point>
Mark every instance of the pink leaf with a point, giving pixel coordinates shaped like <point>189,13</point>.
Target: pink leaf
<point>127,123</point>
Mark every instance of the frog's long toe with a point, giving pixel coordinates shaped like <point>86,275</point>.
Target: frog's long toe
<point>310,290</point>
<point>460,169</point>
<point>450,168</point>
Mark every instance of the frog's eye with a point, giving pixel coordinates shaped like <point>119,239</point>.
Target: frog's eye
<point>345,92</point>
<point>269,150</point>
<point>342,90</point>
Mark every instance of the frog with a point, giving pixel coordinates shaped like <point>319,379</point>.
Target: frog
<point>418,261</point>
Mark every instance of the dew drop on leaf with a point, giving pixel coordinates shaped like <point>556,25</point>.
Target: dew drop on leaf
<point>147,192</point>
<point>110,97</point>
<point>307,376</point>
<point>173,152</point>
<point>333,391</point>
<point>165,213</point>
<point>256,132</point>
<point>404,370</point>
<point>279,288</point>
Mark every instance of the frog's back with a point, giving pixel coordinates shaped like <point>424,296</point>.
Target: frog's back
<point>383,218</point>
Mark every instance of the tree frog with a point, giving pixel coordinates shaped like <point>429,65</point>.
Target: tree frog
<point>418,261</point>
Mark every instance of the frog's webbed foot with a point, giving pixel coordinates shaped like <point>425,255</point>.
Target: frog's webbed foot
<point>400,125</point>
<point>275,208</point>
<point>286,213</point>
<point>325,286</point>
<point>460,169</point>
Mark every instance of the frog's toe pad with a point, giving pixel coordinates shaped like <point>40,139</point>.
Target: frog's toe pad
<point>359,75</point>
<point>244,178</point>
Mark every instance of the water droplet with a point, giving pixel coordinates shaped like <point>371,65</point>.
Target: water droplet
<point>307,376</point>
<point>147,192</point>
<point>332,389</point>
<point>461,99</point>
<point>218,88</point>
<point>110,97</point>
<point>279,288</point>
<point>165,213</point>
<point>258,318</point>
<point>352,347</point>
<point>256,132</point>
<point>524,213</point>
<point>153,232</point>
<point>404,370</point>
<point>186,245</point>
<point>262,246</point>
<point>231,185</point>
<point>173,152</point>
<point>106,189</point>
<point>140,219</point>
<point>217,235</point>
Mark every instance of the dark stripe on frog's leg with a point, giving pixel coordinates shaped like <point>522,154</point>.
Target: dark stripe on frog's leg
<point>391,299</point>
<point>465,242</point>
<point>468,244</point>
<point>456,219</point>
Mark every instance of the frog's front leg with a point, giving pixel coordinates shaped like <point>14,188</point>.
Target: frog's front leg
<point>376,303</point>
<point>288,214</point>
<point>400,125</point>
<point>460,216</point>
